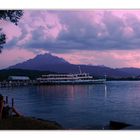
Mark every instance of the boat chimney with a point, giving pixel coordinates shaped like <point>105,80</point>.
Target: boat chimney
<point>105,76</point>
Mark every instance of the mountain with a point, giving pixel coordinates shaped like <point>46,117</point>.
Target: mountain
<point>48,62</point>
<point>131,71</point>
<point>40,62</point>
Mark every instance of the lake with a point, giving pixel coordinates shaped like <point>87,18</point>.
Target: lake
<point>80,106</point>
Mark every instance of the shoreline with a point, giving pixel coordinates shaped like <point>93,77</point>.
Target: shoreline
<point>33,123</point>
<point>28,123</point>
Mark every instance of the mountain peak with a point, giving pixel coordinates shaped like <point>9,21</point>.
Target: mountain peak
<point>48,58</point>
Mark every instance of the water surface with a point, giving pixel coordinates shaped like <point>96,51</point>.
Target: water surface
<point>80,106</point>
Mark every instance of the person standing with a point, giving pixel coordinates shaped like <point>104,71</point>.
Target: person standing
<point>1,105</point>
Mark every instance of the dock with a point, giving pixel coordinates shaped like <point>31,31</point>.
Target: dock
<point>17,83</point>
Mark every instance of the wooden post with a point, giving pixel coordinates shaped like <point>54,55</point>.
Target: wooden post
<point>12,102</point>
<point>6,99</point>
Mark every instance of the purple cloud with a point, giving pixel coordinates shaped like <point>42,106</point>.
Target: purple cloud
<point>64,31</point>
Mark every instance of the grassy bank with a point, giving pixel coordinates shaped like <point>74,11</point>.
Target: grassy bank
<point>28,123</point>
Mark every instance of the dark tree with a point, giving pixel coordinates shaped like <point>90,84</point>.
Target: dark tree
<point>8,15</point>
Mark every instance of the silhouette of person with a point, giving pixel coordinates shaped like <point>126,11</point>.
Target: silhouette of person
<point>1,105</point>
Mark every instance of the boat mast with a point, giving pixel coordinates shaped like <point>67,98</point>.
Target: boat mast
<point>80,70</point>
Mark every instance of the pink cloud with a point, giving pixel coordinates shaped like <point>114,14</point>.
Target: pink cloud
<point>122,13</point>
<point>128,32</point>
<point>10,30</point>
<point>108,58</point>
<point>14,56</point>
<point>41,18</point>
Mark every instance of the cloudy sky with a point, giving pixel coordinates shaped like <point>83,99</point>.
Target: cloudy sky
<point>95,37</point>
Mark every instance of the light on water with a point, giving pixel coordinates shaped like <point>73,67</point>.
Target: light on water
<point>80,106</point>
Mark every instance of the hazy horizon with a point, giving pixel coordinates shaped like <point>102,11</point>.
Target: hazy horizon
<point>93,37</point>
<point>66,61</point>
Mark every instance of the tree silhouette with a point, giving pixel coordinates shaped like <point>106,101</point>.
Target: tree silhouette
<point>8,15</point>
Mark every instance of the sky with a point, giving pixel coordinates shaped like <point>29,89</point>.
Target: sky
<point>94,37</point>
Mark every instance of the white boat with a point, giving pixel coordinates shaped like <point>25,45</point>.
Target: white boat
<point>81,78</point>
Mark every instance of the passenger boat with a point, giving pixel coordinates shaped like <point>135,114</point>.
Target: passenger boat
<point>81,78</point>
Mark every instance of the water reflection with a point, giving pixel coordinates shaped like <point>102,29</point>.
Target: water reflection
<point>61,91</point>
<point>105,86</point>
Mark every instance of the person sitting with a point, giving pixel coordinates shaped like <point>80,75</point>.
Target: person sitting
<point>6,111</point>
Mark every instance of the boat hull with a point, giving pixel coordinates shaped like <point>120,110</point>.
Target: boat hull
<point>78,82</point>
